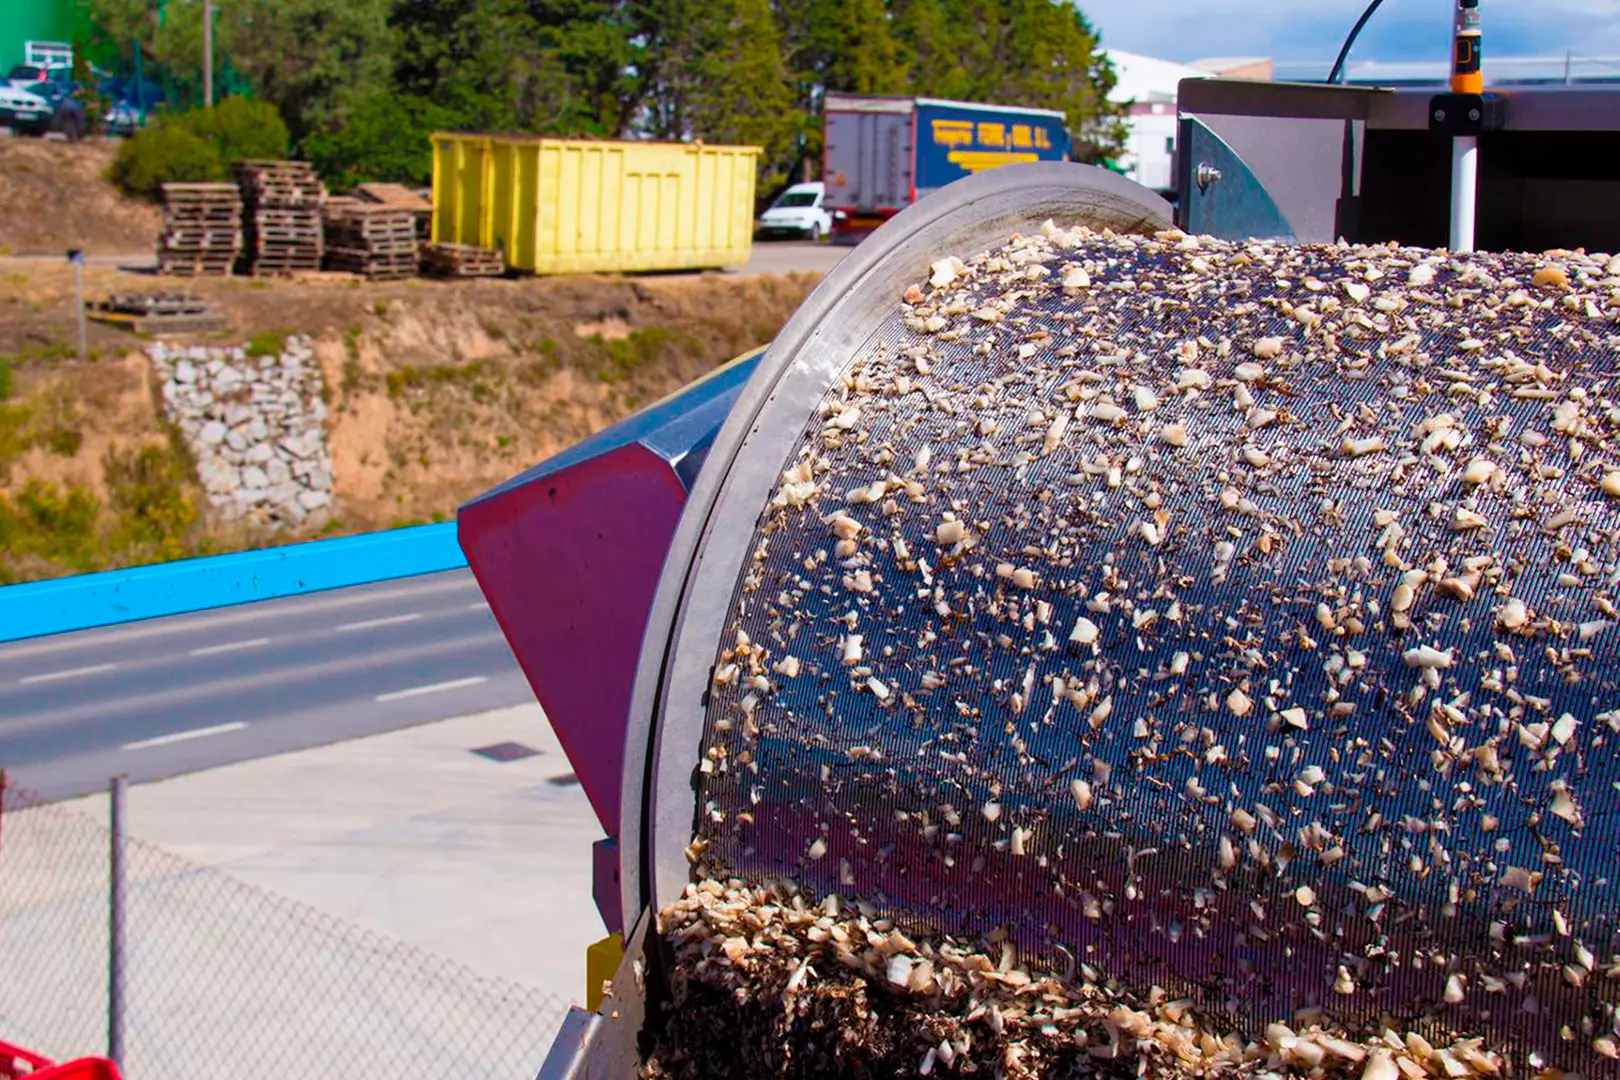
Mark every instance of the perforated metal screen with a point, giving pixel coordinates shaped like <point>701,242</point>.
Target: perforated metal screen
<point>1272,660</point>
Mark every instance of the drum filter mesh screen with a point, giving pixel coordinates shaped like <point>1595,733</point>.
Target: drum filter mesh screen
<point>1233,618</point>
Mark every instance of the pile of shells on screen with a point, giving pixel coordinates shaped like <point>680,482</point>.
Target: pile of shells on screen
<point>768,983</point>
<point>1157,598</point>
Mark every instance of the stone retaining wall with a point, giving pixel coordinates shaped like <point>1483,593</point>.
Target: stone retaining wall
<point>254,425</point>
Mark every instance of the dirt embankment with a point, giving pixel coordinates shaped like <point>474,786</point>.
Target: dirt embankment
<point>435,392</point>
<point>53,196</point>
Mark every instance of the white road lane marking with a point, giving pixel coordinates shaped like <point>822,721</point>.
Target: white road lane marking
<point>433,688</point>
<point>392,620</point>
<point>482,605</point>
<point>317,605</point>
<point>234,646</point>
<point>182,736</point>
<point>71,673</point>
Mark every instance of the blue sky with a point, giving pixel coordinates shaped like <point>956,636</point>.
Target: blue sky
<point>1313,29</point>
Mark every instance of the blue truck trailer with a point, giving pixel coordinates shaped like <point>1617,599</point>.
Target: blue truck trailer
<point>880,154</point>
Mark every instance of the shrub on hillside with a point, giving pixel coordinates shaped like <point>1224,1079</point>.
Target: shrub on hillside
<point>239,129</point>
<point>160,155</point>
<point>197,145</point>
<point>386,137</point>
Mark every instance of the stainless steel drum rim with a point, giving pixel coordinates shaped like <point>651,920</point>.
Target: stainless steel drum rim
<point>712,541</point>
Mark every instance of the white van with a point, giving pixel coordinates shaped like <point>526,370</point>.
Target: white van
<point>798,211</point>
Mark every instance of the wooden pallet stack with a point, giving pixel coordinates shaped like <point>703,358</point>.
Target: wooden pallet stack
<point>202,229</point>
<point>157,313</point>
<point>400,197</point>
<point>461,261</point>
<point>282,203</point>
<point>376,241</point>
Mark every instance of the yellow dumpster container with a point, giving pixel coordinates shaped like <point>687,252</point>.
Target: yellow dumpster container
<point>569,206</point>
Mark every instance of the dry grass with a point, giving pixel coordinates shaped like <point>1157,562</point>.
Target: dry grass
<point>438,391</point>
<point>53,197</point>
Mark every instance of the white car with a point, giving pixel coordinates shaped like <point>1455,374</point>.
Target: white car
<point>24,111</point>
<point>798,211</point>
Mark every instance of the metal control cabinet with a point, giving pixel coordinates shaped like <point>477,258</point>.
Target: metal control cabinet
<point>1317,163</point>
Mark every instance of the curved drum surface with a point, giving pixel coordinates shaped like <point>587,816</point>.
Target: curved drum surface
<point>1237,620</point>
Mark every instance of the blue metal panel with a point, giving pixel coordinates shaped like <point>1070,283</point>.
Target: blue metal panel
<point>40,608</point>
<point>954,141</point>
<point>1235,207</point>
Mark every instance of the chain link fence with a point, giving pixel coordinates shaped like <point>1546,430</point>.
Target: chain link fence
<point>224,979</point>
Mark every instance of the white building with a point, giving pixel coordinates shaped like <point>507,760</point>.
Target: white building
<point>1148,87</point>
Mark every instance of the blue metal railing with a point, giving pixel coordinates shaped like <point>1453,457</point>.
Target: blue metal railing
<point>40,608</point>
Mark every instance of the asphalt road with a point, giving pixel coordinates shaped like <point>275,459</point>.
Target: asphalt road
<point>174,695</point>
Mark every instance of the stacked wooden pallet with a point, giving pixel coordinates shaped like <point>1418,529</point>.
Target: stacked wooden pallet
<point>202,229</point>
<point>400,197</point>
<point>461,260</point>
<point>374,240</point>
<point>158,313</point>
<point>283,201</point>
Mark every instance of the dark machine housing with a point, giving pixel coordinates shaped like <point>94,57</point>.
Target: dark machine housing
<point>1318,163</point>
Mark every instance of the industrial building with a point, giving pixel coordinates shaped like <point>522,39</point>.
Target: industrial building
<point>39,21</point>
<point>1147,87</point>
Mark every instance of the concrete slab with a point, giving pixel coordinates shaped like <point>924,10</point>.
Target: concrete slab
<point>390,906</point>
<point>410,834</point>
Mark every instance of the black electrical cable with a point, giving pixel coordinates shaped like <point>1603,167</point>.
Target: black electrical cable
<point>1344,53</point>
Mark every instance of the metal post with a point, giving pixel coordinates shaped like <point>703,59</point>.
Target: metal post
<point>1464,191</point>
<point>76,257</point>
<point>115,928</point>
<point>1569,63</point>
<point>1466,78</point>
<point>208,52</point>
<point>140,86</point>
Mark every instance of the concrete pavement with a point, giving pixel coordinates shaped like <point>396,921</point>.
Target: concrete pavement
<point>353,902</point>
<point>174,695</point>
<point>409,833</point>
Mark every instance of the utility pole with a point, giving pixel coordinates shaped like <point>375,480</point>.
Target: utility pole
<point>115,926</point>
<point>208,52</point>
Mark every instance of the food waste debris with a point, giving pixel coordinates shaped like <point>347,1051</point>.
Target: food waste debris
<point>1236,619</point>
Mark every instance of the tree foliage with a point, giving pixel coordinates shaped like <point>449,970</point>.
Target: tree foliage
<point>162,155</point>
<point>309,58</point>
<point>200,144</point>
<point>361,83</point>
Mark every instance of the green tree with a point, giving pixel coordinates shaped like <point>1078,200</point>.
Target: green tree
<point>87,91</point>
<point>238,128</point>
<point>163,154</point>
<point>310,58</point>
<point>933,47</point>
<point>1048,56</point>
<point>868,59</point>
<point>200,144</point>
<point>1034,53</point>
<point>559,67</point>
<point>742,94</point>
<point>387,137</point>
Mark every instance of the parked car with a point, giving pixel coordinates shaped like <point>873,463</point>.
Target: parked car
<point>41,110</point>
<point>25,75</point>
<point>122,118</point>
<point>23,110</point>
<point>798,211</point>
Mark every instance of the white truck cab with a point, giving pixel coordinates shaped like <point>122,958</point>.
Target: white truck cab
<point>798,211</point>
